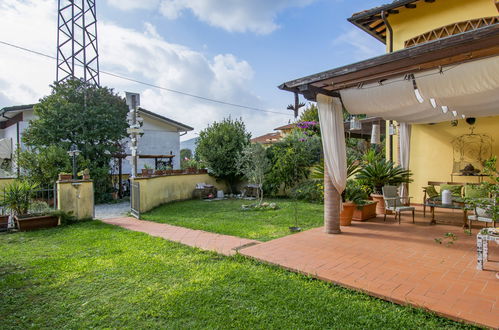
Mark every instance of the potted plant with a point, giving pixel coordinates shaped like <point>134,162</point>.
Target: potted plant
<point>378,173</point>
<point>85,174</point>
<point>352,196</point>
<point>192,166</point>
<point>147,170</point>
<point>17,199</point>
<point>64,176</point>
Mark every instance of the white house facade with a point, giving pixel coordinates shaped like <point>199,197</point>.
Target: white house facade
<point>161,138</point>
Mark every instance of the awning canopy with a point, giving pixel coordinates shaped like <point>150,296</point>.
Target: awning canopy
<point>459,72</point>
<point>469,89</point>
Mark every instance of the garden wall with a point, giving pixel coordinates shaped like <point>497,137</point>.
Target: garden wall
<point>157,190</point>
<point>76,196</point>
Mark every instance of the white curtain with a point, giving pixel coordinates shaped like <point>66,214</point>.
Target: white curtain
<point>333,139</point>
<point>404,154</point>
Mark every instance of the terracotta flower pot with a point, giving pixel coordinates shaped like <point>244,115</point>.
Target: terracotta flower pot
<point>380,206</point>
<point>347,214</point>
<point>4,222</point>
<point>28,222</point>
<point>365,212</point>
<point>65,177</point>
<point>147,171</point>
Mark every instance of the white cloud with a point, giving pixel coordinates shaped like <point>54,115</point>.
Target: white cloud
<point>133,4</point>
<point>142,55</point>
<point>364,46</point>
<point>232,15</point>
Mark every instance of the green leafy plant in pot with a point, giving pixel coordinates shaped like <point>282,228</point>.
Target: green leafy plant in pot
<point>18,200</point>
<point>378,173</point>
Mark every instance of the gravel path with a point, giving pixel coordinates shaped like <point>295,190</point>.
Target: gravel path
<point>106,211</point>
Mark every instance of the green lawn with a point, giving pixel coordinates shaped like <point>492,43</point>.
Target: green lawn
<point>93,275</point>
<point>226,217</point>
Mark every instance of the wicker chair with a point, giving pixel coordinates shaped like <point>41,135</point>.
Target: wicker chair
<point>394,203</point>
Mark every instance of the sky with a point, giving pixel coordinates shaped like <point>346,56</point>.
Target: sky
<point>236,51</point>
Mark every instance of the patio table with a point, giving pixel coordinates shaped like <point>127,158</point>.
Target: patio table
<point>456,205</point>
<point>482,245</point>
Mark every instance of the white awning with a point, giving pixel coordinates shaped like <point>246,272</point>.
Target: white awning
<point>470,89</point>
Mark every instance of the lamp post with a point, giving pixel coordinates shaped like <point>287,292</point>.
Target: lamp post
<point>74,152</point>
<point>135,122</point>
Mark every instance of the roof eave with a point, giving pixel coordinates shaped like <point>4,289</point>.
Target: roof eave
<point>182,127</point>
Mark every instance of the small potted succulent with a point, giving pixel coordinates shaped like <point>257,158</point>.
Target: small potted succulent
<point>85,174</point>
<point>28,215</point>
<point>147,170</point>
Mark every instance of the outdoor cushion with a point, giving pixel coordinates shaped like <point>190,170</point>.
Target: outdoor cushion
<point>475,191</point>
<point>454,189</point>
<point>431,191</point>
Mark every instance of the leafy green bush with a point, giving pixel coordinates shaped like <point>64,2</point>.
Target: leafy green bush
<point>291,159</point>
<point>309,190</point>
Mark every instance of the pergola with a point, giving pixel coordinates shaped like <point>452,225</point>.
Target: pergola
<point>450,78</point>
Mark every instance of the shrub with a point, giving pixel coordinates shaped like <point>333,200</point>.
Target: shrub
<point>309,190</point>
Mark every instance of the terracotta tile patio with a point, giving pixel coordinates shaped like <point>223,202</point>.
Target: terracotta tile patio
<point>400,263</point>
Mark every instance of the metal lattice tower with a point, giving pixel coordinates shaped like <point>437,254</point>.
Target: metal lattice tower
<point>77,51</point>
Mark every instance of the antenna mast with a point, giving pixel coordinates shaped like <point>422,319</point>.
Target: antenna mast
<point>77,51</point>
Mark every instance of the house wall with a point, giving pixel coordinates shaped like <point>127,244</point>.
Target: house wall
<point>409,23</point>
<point>159,139</point>
<point>432,154</point>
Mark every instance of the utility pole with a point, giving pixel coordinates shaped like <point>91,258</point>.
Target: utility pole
<point>134,130</point>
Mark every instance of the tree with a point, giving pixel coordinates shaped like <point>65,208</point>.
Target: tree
<point>92,117</point>
<point>219,147</point>
<point>254,164</point>
<point>311,113</point>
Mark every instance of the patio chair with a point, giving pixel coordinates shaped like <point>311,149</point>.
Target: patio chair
<point>393,202</point>
<point>483,214</point>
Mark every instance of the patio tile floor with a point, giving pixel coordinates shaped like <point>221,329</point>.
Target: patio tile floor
<point>400,263</point>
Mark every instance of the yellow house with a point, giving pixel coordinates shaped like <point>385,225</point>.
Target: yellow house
<point>415,22</point>
<point>438,83</point>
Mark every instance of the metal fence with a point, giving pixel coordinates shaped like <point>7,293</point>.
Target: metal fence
<point>135,199</point>
<point>46,194</point>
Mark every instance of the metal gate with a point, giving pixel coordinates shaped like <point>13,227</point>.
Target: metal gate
<point>135,199</point>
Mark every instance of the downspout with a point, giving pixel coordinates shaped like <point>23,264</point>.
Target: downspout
<point>384,17</point>
<point>18,149</point>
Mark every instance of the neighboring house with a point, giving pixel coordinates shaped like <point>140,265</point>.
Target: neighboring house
<point>363,133</point>
<point>161,137</point>
<point>438,82</point>
<point>271,138</point>
<point>13,121</point>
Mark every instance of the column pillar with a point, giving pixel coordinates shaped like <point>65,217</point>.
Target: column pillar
<point>332,205</point>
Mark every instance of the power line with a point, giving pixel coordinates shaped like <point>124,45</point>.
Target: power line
<point>152,85</point>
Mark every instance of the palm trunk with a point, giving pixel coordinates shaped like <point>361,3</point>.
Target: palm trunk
<point>332,205</point>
